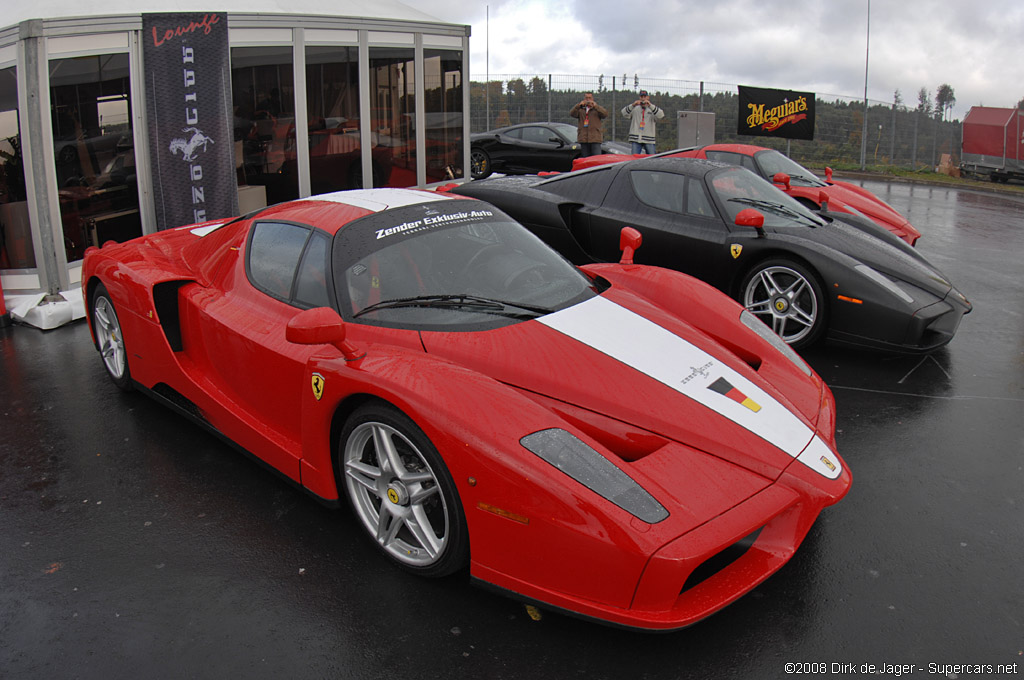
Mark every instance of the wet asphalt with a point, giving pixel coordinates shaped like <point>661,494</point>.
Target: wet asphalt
<point>135,544</point>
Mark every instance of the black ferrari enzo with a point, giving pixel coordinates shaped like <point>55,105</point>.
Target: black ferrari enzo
<point>805,274</point>
<point>529,148</point>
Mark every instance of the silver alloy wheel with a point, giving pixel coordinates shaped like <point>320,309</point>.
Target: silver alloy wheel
<point>108,335</point>
<point>396,494</point>
<point>784,300</point>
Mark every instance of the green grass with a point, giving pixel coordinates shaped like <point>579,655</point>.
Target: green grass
<point>926,175</point>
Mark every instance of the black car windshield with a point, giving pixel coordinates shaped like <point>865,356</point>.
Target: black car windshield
<point>737,188</point>
<point>449,265</point>
<point>771,162</point>
<point>566,130</point>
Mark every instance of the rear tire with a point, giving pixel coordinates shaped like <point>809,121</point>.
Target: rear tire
<point>109,338</point>
<point>479,164</point>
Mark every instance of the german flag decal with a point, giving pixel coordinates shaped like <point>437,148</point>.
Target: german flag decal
<point>722,386</point>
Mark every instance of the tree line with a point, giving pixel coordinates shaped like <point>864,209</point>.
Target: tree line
<point>896,134</point>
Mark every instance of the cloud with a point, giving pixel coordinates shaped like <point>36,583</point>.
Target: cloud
<point>799,44</point>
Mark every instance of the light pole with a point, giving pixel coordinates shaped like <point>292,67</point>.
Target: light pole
<point>487,60</point>
<point>864,132</point>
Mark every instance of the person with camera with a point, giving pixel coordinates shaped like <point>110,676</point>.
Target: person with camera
<point>643,116</point>
<point>588,115</point>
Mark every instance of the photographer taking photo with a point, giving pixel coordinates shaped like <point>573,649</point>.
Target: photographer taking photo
<point>589,115</point>
<point>644,116</point>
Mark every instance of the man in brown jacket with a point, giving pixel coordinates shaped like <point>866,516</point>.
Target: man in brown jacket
<point>588,115</point>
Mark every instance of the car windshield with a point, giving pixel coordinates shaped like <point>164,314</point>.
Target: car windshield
<point>449,265</point>
<point>737,188</point>
<point>566,130</point>
<point>771,162</point>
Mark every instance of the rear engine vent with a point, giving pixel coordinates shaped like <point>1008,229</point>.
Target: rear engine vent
<point>165,299</point>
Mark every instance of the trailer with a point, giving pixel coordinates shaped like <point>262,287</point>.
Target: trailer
<point>992,145</point>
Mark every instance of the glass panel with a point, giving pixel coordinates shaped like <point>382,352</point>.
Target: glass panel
<point>274,252</point>
<point>697,202</point>
<point>311,286</point>
<point>538,135</point>
<point>772,162</point>
<point>731,158</point>
<point>393,111</point>
<point>94,151</point>
<point>332,98</point>
<point>442,82</point>
<point>16,250</point>
<point>263,98</point>
<point>659,189</point>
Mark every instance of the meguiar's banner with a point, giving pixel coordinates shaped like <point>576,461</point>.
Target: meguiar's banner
<point>776,113</point>
<point>187,67</point>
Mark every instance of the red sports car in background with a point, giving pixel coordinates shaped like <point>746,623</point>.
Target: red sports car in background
<point>794,179</point>
<point>619,441</point>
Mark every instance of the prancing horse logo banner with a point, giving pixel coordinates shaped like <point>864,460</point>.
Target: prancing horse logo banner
<point>187,66</point>
<point>775,113</point>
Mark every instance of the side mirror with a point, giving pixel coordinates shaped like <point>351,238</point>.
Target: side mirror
<point>321,326</point>
<point>828,175</point>
<point>823,201</point>
<point>781,178</point>
<point>557,141</point>
<point>629,240</point>
<point>748,217</point>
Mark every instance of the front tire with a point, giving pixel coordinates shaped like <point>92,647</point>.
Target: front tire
<point>109,338</point>
<point>787,297</point>
<point>479,164</point>
<point>402,492</point>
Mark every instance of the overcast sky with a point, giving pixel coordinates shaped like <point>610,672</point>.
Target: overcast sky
<point>812,45</point>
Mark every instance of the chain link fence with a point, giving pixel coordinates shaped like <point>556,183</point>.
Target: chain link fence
<point>897,136</point>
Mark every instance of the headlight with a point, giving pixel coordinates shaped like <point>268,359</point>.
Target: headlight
<point>884,282</point>
<point>758,326</point>
<point>588,467</point>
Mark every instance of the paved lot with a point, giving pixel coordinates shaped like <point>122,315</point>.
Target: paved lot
<point>134,544</point>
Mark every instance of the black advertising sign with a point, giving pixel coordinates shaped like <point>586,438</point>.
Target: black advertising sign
<point>776,113</point>
<point>188,101</point>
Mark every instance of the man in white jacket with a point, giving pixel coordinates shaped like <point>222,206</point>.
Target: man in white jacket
<point>643,116</point>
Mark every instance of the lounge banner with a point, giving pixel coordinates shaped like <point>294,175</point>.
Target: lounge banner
<point>776,113</point>
<point>187,69</point>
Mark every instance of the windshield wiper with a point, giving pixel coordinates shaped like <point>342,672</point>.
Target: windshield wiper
<point>457,301</point>
<point>769,205</point>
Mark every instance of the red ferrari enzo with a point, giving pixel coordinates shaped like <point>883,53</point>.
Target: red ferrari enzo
<point>617,441</point>
<point>794,179</point>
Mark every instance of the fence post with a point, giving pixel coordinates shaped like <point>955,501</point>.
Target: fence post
<point>935,137</point>
<point>892,136</point>
<point>549,97</point>
<point>913,155</point>
<point>613,110</point>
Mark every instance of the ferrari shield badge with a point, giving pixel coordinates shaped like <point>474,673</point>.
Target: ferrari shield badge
<point>318,386</point>
<point>735,249</point>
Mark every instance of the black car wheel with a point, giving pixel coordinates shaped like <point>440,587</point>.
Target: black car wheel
<point>479,164</point>
<point>402,491</point>
<point>109,339</point>
<point>787,297</point>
